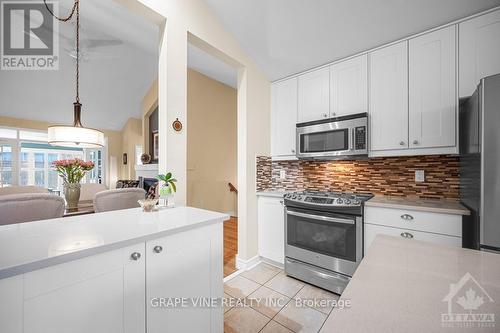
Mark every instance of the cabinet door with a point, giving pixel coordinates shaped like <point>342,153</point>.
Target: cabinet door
<point>389,97</point>
<point>185,266</point>
<point>283,117</point>
<point>372,230</point>
<point>102,293</point>
<point>314,90</point>
<point>271,224</point>
<point>479,54</point>
<point>349,87</point>
<point>433,102</point>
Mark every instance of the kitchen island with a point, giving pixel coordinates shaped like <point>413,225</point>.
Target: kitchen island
<point>405,285</point>
<point>118,271</point>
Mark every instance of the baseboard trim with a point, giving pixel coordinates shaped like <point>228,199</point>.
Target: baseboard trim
<point>245,265</point>
<point>271,262</point>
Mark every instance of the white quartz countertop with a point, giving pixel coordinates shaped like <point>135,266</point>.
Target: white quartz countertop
<point>275,194</point>
<point>428,205</point>
<point>29,246</point>
<point>404,286</point>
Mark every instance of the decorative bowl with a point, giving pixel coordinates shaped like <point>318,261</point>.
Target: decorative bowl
<point>147,204</point>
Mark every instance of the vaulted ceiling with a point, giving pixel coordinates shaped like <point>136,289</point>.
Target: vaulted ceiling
<point>285,37</point>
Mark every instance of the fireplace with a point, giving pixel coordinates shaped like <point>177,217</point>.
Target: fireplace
<point>146,183</point>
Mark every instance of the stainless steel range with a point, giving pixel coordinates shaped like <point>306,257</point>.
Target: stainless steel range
<point>324,237</point>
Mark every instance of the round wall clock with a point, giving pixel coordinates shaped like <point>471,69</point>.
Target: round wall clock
<point>177,125</point>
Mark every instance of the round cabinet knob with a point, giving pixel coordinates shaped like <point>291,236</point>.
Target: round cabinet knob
<point>135,256</point>
<point>293,151</point>
<point>334,114</point>
<point>406,235</point>
<point>401,143</point>
<point>415,142</point>
<point>325,115</point>
<point>157,249</point>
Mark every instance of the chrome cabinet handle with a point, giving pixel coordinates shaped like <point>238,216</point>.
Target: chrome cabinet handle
<point>281,201</point>
<point>406,235</point>
<point>401,143</point>
<point>415,142</point>
<point>407,217</point>
<point>135,256</point>
<point>157,249</point>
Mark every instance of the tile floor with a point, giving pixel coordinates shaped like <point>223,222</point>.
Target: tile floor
<point>265,300</point>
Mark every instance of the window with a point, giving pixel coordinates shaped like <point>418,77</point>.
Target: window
<point>26,159</point>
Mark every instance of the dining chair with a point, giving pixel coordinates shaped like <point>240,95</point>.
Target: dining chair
<point>27,207</point>
<point>88,191</point>
<point>117,199</point>
<point>22,189</point>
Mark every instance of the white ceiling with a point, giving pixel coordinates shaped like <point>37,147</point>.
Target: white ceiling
<point>113,80</point>
<point>285,37</point>
<point>210,66</point>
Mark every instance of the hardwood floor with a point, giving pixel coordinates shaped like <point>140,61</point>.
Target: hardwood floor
<point>230,245</point>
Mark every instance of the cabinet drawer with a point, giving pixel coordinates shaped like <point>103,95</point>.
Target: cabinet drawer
<point>446,224</point>
<point>371,231</point>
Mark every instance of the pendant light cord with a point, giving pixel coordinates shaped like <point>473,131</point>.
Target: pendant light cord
<point>75,9</point>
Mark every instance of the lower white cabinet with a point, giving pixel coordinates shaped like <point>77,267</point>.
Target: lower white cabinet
<point>438,228</point>
<point>117,291</point>
<point>271,228</point>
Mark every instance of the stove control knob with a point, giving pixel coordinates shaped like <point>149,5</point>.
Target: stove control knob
<point>347,201</point>
<point>339,200</point>
<point>357,202</point>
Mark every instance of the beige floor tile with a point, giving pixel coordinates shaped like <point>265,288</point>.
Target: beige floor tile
<point>285,285</point>
<point>274,327</point>
<point>267,301</point>
<point>227,303</point>
<point>240,287</point>
<point>244,320</point>
<point>261,273</point>
<point>300,319</point>
<point>317,298</point>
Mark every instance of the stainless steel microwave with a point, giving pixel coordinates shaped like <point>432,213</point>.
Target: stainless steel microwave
<point>335,138</point>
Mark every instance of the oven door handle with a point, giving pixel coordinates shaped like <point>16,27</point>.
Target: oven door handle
<point>321,218</point>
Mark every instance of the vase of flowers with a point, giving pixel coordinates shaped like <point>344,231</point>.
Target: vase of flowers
<point>167,188</point>
<point>72,171</point>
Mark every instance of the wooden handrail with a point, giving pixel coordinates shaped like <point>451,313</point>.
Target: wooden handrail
<point>232,188</point>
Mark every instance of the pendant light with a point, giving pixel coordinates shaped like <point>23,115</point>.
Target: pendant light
<point>75,135</point>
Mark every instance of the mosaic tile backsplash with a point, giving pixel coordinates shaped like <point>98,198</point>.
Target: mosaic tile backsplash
<point>382,175</point>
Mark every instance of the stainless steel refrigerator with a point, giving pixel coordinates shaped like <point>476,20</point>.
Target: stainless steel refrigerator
<point>480,165</point>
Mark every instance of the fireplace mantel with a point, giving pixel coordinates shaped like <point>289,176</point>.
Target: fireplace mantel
<point>146,170</point>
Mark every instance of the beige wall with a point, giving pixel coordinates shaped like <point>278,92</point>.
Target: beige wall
<point>180,20</point>
<point>149,103</point>
<point>211,144</point>
<point>131,136</point>
<point>114,139</point>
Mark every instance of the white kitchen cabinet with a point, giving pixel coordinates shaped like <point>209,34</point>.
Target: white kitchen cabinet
<point>479,55</point>
<point>438,228</point>
<point>349,86</point>
<point>185,266</point>
<point>283,117</point>
<point>432,89</point>
<point>102,293</point>
<point>372,230</point>
<point>313,95</point>
<point>271,229</point>
<point>389,97</point>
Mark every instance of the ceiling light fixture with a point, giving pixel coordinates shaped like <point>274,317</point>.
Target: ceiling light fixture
<point>76,135</point>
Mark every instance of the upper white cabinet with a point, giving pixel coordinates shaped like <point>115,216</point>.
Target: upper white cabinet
<point>432,89</point>
<point>349,86</point>
<point>479,54</point>
<point>389,97</point>
<point>283,117</point>
<point>314,91</point>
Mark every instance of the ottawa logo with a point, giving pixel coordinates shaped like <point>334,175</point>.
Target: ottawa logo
<point>468,305</point>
